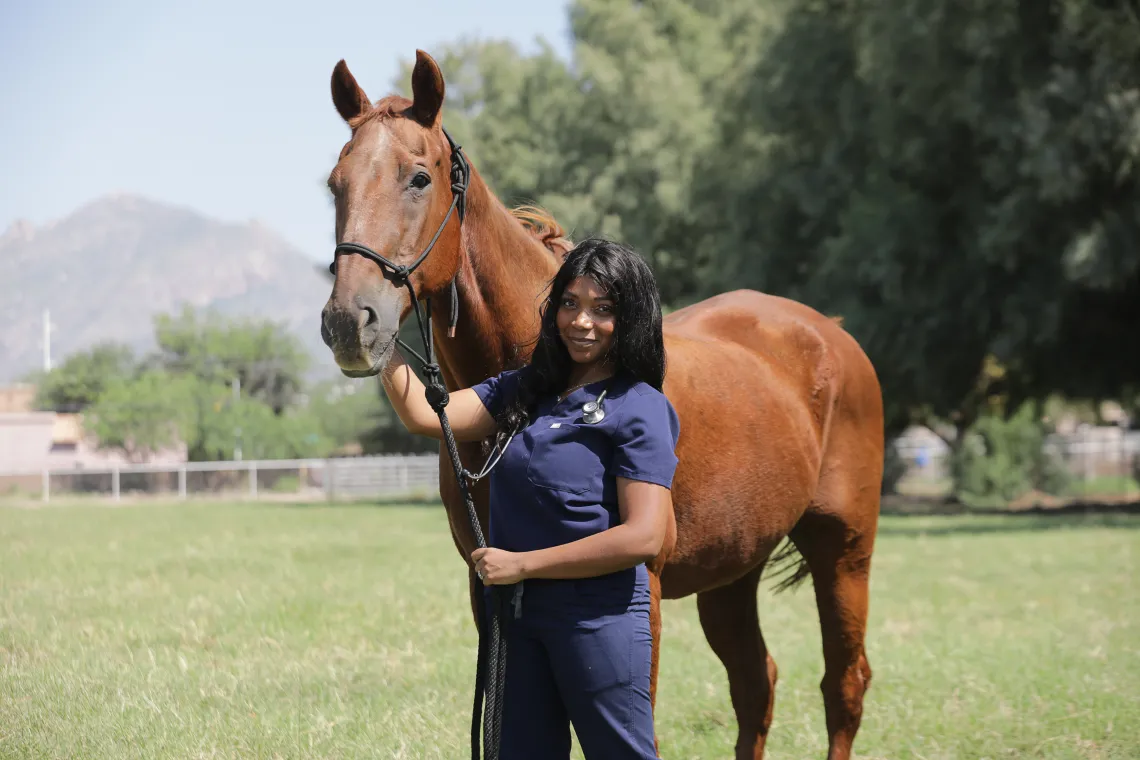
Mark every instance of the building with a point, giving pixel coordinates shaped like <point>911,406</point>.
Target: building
<point>32,441</point>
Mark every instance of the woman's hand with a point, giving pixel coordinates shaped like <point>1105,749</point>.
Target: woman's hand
<point>497,567</point>
<point>470,420</point>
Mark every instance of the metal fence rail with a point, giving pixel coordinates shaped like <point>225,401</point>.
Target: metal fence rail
<point>1101,463</point>
<point>332,479</point>
<point>1098,465</point>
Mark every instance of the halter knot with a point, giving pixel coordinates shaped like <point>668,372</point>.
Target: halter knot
<point>437,397</point>
<point>400,274</point>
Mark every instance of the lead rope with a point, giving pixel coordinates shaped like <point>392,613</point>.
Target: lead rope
<point>491,663</point>
<point>490,674</point>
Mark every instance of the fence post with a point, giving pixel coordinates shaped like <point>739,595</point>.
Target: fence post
<point>404,474</point>
<point>45,486</point>
<point>329,475</point>
<point>115,483</point>
<point>182,482</point>
<point>253,479</point>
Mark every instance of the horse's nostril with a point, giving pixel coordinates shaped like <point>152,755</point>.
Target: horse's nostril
<point>367,317</point>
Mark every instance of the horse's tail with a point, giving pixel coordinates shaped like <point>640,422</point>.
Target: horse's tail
<point>541,224</point>
<point>787,567</point>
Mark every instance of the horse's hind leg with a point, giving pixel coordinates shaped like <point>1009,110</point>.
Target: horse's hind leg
<point>732,627</point>
<point>838,553</point>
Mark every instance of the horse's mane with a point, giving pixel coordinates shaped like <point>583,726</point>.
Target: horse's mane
<point>541,225</point>
<point>386,107</point>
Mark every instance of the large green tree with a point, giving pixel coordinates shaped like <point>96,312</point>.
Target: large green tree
<point>143,415</point>
<point>251,427</point>
<point>357,412</point>
<point>608,142</point>
<point>267,360</point>
<point>82,377</point>
<point>160,410</point>
<point>959,181</point>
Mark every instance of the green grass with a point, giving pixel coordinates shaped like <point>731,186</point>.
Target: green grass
<point>256,631</point>
<point>1105,485</point>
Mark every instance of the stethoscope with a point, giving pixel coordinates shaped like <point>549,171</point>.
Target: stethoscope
<point>592,414</point>
<point>592,411</point>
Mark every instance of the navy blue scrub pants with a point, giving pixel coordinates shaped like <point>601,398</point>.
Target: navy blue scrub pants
<point>580,653</point>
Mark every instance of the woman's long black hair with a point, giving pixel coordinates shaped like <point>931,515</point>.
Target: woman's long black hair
<point>638,350</point>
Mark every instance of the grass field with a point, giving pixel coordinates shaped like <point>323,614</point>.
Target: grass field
<point>257,631</point>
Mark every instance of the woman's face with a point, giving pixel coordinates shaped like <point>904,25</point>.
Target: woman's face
<point>586,319</point>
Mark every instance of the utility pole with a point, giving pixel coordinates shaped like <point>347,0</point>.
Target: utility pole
<point>236,385</point>
<point>47,340</point>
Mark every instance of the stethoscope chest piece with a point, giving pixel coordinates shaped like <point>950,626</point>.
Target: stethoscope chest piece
<point>592,411</point>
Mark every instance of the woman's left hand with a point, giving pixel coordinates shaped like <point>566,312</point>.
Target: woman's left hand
<point>496,567</point>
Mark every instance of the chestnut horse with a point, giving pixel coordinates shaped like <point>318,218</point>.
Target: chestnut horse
<point>781,411</point>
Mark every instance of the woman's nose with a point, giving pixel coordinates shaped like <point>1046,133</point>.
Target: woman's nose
<point>582,320</point>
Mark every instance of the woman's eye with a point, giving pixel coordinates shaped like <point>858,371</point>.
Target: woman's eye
<point>605,309</point>
<point>567,303</point>
<point>421,180</point>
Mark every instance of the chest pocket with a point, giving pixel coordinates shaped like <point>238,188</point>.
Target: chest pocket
<point>568,458</point>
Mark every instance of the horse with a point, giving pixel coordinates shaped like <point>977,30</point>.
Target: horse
<point>781,411</point>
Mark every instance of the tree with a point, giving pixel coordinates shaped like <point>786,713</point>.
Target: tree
<point>348,411</point>
<point>267,360</point>
<point>143,415</point>
<point>261,434</point>
<point>960,183</point>
<point>78,382</point>
<point>609,143</point>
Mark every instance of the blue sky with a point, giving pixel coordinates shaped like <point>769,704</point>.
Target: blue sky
<point>223,107</point>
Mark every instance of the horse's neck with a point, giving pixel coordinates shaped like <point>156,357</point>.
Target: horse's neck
<point>502,277</point>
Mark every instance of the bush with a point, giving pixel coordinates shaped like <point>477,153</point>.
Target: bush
<point>1001,459</point>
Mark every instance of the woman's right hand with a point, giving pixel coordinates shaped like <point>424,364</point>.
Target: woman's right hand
<point>469,419</point>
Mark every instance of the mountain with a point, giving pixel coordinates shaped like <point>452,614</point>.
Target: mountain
<point>108,268</point>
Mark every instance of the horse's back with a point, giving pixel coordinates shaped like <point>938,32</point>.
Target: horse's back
<point>768,325</point>
<point>771,345</point>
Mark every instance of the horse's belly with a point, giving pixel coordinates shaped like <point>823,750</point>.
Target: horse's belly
<point>719,541</point>
<point>749,454</point>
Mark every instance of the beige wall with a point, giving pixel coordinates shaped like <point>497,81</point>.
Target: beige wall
<point>33,441</point>
<point>17,398</point>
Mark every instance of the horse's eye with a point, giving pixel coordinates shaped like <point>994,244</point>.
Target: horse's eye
<point>421,180</point>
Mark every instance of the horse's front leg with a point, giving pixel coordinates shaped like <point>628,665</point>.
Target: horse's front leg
<point>655,632</point>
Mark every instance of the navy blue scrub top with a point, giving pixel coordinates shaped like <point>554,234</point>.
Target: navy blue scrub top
<point>557,479</point>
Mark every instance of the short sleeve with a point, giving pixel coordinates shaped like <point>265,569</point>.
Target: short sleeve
<point>497,390</point>
<point>645,439</point>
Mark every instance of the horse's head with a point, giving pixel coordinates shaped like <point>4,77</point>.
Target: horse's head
<point>392,188</point>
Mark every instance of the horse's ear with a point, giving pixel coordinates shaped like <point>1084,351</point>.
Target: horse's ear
<point>347,95</point>
<point>427,90</point>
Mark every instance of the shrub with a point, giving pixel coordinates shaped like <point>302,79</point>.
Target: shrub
<point>1002,458</point>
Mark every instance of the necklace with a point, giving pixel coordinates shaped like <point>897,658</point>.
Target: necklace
<point>562,396</point>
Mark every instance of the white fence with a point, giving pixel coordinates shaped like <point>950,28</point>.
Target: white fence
<point>400,476</point>
<point>1101,462</point>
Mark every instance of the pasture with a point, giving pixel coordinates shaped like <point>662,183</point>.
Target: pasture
<point>269,631</point>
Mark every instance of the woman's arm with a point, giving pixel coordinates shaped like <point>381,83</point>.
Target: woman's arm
<point>644,509</point>
<point>470,420</point>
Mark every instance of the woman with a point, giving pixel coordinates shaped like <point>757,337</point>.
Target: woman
<point>578,504</point>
